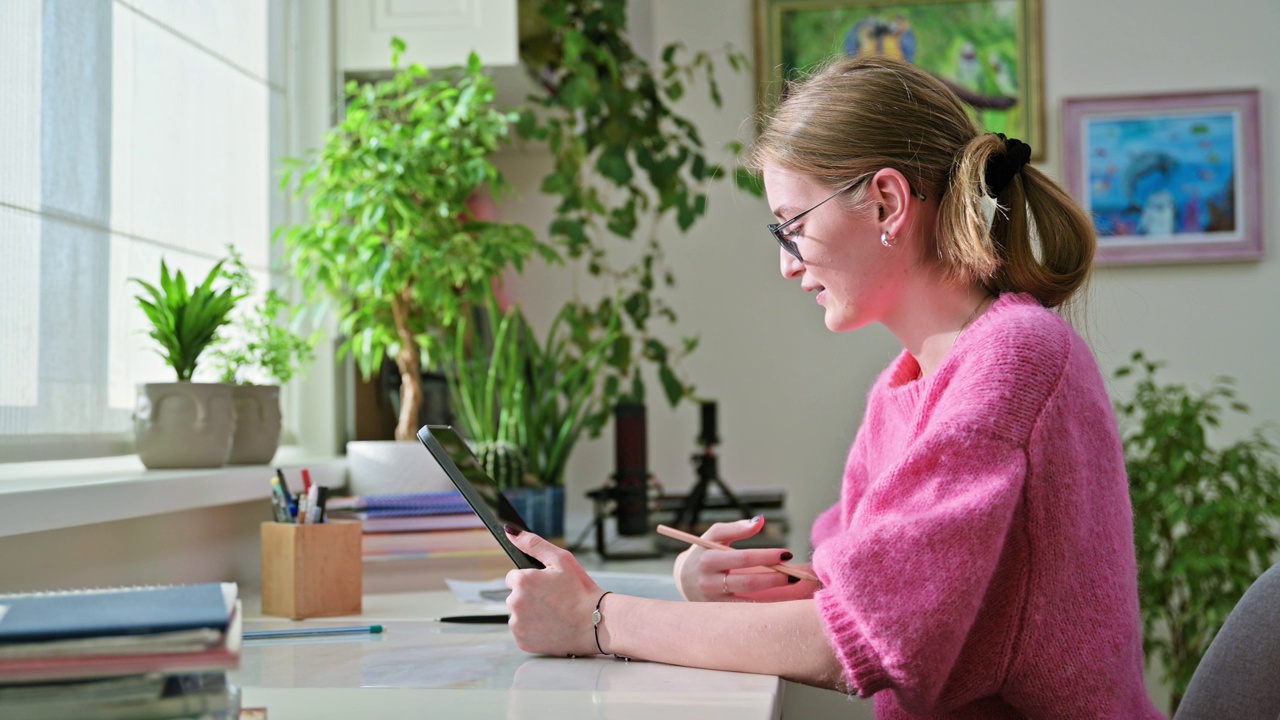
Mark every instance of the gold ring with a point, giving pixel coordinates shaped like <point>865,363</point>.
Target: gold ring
<point>724,584</point>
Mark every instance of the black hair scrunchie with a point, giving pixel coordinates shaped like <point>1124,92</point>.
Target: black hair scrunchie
<point>1002,167</point>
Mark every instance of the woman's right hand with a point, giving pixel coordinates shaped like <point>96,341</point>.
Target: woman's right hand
<point>733,575</point>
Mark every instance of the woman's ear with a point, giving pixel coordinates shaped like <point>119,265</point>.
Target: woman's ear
<point>892,194</point>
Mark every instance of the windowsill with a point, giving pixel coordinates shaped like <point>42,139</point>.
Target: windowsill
<point>39,496</point>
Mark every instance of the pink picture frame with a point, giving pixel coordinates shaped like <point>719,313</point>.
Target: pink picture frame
<point>1172,178</point>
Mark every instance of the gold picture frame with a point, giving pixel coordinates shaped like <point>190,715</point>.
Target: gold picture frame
<point>988,51</point>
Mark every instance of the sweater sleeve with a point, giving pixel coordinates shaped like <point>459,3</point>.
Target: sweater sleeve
<point>905,581</point>
<point>825,526</point>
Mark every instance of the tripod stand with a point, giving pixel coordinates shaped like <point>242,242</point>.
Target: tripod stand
<point>708,470</point>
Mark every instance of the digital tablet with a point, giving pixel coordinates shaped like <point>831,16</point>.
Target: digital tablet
<point>480,490</point>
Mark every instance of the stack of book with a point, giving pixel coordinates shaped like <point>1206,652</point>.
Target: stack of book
<point>145,653</point>
<point>406,511</point>
<point>414,524</point>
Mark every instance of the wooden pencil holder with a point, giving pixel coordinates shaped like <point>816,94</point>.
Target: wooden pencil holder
<point>311,570</point>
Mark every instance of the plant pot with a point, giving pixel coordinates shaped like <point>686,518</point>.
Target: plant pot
<point>379,467</point>
<point>184,424</point>
<point>257,435</point>
<point>541,508</point>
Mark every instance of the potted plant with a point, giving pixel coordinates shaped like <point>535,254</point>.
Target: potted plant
<point>524,404</point>
<point>623,161</point>
<point>1205,517</point>
<point>389,238</point>
<point>257,355</point>
<point>184,424</point>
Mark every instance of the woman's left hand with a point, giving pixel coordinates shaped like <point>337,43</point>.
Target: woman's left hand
<point>551,608</point>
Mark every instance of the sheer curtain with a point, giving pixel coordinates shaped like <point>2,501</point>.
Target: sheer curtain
<point>133,130</point>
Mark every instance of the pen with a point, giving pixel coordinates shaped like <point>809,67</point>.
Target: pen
<point>307,632</point>
<point>322,497</point>
<point>290,502</point>
<point>474,619</point>
<point>695,540</point>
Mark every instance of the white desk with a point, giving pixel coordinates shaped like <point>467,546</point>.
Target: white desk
<point>419,669</point>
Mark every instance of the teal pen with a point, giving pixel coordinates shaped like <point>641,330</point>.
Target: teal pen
<point>308,632</point>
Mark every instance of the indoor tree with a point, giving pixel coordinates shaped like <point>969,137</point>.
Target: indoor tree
<point>389,236</point>
<point>623,160</point>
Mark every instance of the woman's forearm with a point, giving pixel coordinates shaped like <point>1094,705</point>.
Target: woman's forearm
<point>786,639</point>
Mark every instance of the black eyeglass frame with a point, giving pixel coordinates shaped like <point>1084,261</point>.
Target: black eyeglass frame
<point>790,245</point>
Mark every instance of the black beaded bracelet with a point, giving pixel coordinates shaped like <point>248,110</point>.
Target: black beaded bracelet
<point>596,617</point>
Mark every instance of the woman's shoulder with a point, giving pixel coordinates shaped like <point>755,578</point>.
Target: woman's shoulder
<point>1017,334</point>
<point>1010,361</point>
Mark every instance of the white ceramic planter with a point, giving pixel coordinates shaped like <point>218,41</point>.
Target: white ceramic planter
<point>257,435</point>
<point>378,467</point>
<point>184,424</point>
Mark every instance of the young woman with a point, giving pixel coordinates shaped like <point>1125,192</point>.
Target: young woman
<point>980,561</point>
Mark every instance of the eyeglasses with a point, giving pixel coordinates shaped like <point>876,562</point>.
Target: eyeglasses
<point>779,229</point>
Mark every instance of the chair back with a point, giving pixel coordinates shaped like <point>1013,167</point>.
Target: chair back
<point>1239,676</point>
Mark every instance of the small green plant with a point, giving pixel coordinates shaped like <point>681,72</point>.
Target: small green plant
<point>503,460</point>
<point>537,397</point>
<point>1204,517</point>
<point>184,322</point>
<point>263,345</point>
<point>390,238</point>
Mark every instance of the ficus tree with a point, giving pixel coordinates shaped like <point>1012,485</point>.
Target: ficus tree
<point>623,161</point>
<point>1205,514</point>
<point>389,239</point>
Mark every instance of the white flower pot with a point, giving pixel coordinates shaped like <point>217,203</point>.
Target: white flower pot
<point>378,467</point>
<point>184,424</point>
<point>257,435</point>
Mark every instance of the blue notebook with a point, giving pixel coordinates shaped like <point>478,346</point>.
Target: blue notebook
<point>124,611</point>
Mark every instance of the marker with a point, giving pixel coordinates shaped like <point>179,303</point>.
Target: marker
<point>474,619</point>
<point>307,632</point>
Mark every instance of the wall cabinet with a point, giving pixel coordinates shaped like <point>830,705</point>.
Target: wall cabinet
<point>438,33</point>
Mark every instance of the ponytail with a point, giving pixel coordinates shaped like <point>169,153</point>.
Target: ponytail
<point>1011,226</point>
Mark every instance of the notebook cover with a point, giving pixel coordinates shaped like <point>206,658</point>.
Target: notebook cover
<point>126,611</point>
<point>461,521</point>
<point>222,656</point>
<point>410,503</point>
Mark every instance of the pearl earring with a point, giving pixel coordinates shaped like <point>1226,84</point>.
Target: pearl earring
<point>885,239</point>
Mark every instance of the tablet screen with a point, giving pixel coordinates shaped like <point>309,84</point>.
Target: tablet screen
<point>480,490</point>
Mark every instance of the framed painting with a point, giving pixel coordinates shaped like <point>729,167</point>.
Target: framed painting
<point>1168,178</point>
<point>987,51</point>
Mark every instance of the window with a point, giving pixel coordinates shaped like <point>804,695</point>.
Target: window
<point>132,130</point>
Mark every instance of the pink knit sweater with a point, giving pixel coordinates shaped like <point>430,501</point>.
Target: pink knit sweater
<point>980,562</point>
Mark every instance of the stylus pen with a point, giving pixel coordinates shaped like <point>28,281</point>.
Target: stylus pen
<point>307,632</point>
<point>474,619</point>
<point>695,540</point>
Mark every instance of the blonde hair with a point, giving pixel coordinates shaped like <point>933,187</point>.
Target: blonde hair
<point>856,116</point>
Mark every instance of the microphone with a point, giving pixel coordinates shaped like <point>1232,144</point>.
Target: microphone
<point>631,478</point>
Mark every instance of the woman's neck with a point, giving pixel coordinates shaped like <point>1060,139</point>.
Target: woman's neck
<point>933,316</point>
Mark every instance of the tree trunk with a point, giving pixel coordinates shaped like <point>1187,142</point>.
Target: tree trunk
<point>409,362</point>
